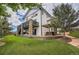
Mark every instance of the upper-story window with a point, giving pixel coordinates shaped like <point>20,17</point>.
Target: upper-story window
<point>34,15</point>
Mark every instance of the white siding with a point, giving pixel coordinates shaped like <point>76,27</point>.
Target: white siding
<point>44,21</point>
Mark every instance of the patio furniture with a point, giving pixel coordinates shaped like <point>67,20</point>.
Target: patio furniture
<point>50,33</point>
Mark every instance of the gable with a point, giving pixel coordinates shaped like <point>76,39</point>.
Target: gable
<point>46,12</point>
<point>33,11</point>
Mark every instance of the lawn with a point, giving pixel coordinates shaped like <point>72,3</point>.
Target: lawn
<point>74,33</point>
<point>31,46</point>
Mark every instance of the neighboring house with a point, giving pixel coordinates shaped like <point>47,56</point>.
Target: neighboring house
<point>36,22</point>
<point>75,25</point>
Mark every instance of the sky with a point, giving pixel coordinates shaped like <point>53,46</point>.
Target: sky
<point>17,17</point>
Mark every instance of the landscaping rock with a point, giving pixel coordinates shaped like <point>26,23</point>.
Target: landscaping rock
<point>2,44</point>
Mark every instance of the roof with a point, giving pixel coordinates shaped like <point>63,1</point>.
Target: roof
<point>30,12</point>
<point>75,24</point>
<point>26,24</point>
<point>46,12</point>
<point>34,10</point>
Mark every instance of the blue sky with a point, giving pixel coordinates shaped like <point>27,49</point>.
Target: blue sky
<point>17,17</point>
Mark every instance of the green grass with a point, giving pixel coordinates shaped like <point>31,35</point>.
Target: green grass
<point>75,33</point>
<point>30,46</point>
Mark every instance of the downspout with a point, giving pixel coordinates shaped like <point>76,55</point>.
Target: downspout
<point>41,19</point>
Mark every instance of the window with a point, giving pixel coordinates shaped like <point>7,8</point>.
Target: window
<point>34,15</point>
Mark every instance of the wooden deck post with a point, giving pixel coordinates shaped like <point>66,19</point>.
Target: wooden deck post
<point>30,27</point>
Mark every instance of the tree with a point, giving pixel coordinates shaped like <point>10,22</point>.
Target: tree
<point>66,15</point>
<point>4,25</point>
<point>55,24</point>
<point>3,10</point>
<point>16,6</point>
<point>3,22</point>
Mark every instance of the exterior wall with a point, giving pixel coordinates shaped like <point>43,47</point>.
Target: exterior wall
<point>44,30</point>
<point>39,20</point>
<point>44,21</point>
<point>77,27</point>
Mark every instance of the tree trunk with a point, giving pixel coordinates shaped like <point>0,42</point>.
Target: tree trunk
<point>2,34</point>
<point>64,34</point>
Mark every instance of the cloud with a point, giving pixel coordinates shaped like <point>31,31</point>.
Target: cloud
<point>75,6</point>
